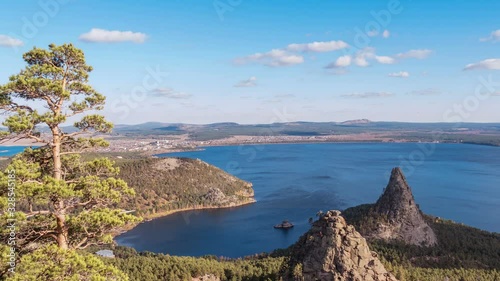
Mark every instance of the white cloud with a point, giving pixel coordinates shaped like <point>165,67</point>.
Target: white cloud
<point>170,93</point>
<point>273,58</point>
<point>361,61</point>
<point>368,95</point>
<point>342,61</point>
<point>250,82</point>
<point>288,56</point>
<point>97,35</point>
<point>385,59</point>
<point>416,54</point>
<point>318,47</point>
<point>373,33</point>
<point>425,92</point>
<point>401,74</point>
<point>484,64</point>
<point>363,57</point>
<point>494,36</point>
<point>7,41</point>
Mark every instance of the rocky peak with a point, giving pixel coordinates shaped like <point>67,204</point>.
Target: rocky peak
<point>333,250</point>
<point>403,218</point>
<point>397,199</point>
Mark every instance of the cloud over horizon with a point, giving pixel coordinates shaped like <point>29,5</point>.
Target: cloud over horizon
<point>97,35</point>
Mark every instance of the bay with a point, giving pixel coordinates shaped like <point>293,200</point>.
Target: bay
<point>294,181</point>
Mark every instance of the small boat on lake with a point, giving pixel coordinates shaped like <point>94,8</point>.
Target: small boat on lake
<point>284,225</point>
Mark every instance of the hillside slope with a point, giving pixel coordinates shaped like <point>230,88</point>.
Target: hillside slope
<point>164,185</point>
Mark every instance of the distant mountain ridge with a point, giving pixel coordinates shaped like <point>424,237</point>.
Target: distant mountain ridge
<point>353,130</point>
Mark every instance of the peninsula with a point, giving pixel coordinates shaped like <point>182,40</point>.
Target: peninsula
<point>167,185</point>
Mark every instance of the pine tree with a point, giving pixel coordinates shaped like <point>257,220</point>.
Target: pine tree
<point>58,198</point>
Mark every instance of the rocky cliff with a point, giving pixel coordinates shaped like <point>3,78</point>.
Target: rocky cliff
<point>333,250</point>
<point>395,215</point>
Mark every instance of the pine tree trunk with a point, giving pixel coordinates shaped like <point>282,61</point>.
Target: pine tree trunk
<point>60,213</point>
<point>62,232</point>
<point>56,153</point>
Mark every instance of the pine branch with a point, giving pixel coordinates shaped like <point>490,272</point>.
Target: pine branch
<point>42,212</point>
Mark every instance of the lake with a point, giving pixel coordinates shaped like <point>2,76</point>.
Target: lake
<point>294,181</point>
<point>6,151</point>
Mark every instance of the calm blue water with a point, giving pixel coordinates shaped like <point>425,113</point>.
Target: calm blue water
<point>10,150</point>
<point>294,181</point>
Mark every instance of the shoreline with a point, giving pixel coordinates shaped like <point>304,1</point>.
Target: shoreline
<point>163,214</point>
<point>238,142</point>
<point>196,208</point>
<point>203,147</point>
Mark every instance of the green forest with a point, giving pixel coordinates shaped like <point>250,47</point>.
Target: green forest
<point>463,254</point>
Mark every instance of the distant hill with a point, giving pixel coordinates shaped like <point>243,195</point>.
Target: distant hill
<point>356,122</point>
<point>477,133</point>
<point>474,133</point>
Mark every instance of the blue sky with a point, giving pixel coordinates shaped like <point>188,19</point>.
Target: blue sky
<point>273,61</point>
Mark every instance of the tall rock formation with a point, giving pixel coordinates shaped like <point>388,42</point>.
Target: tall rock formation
<point>401,216</point>
<point>334,251</point>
